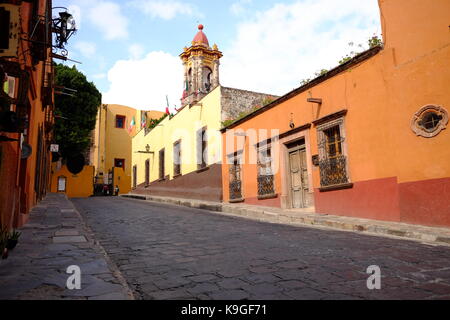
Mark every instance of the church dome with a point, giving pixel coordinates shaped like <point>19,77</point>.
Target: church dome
<point>200,37</point>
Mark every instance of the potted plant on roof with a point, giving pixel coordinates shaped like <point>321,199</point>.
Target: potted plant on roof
<point>13,239</point>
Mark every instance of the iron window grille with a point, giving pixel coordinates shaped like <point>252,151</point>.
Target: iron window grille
<point>134,176</point>
<point>235,180</point>
<point>177,158</point>
<point>265,174</point>
<point>202,144</point>
<point>266,185</point>
<point>161,165</point>
<point>333,162</point>
<point>147,172</point>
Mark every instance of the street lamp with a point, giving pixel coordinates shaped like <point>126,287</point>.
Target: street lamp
<point>64,27</point>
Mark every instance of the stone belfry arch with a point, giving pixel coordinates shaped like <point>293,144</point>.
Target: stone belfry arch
<point>201,68</point>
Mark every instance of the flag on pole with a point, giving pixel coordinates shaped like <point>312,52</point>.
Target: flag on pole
<point>143,119</point>
<point>131,126</point>
<point>167,108</point>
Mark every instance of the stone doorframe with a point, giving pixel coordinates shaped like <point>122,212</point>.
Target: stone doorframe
<point>286,201</point>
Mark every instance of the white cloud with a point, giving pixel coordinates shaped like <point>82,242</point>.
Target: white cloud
<point>238,8</point>
<point>75,11</point>
<point>108,18</point>
<point>144,83</point>
<point>166,10</point>
<point>99,76</point>
<point>277,48</point>
<point>87,49</point>
<point>136,51</point>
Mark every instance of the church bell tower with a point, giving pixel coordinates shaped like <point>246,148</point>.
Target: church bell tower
<point>201,68</point>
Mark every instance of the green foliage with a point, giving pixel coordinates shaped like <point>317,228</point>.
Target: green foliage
<point>267,101</point>
<point>14,235</point>
<point>154,122</point>
<point>374,41</point>
<point>316,75</point>
<point>3,238</point>
<point>78,112</point>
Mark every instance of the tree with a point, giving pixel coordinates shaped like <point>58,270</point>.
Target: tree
<point>75,114</point>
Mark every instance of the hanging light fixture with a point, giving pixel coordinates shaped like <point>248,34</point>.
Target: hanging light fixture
<point>64,27</point>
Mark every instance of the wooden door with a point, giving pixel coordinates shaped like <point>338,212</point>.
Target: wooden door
<point>298,178</point>
<point>147,173</point>
<point>134,176</point>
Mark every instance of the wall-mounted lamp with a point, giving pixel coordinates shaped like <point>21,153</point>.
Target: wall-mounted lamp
<point>147,150</point>
<point>64,27</point>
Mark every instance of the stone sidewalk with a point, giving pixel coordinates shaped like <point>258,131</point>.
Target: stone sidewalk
<point>299,217</point>
<point>54,239</point>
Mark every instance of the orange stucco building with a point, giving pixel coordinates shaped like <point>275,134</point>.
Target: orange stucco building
<point>26,94</point>
<point>367,139</point>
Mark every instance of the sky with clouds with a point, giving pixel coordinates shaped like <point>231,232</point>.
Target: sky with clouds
<point>130,49</point>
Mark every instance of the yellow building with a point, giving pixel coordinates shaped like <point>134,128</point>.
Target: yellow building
<point>111,149</point>
<point>181,155</point>
<point>73,185</point>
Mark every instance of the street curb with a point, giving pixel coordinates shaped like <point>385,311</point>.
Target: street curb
<point>440,236</point>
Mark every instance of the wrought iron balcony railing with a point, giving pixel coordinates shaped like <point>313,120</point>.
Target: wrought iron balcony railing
<point>265,185</point>
<point>333,171</point>
<point>235,190</point>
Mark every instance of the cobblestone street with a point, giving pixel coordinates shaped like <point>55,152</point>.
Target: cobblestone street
<point>170,252</point>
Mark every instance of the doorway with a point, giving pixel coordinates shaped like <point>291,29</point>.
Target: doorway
<point>147,172</point>
<point>298,174</point>
<point>62,182</point>
<point>134,176</point>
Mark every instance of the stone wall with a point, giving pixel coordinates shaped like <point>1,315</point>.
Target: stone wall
<point>235,101</point>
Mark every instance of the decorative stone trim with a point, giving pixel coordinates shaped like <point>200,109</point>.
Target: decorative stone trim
<point>418,127</point>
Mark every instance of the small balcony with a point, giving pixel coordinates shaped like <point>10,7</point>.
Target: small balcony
<point>266,186</point>
<point>333,172</point>
<point>235,191</point>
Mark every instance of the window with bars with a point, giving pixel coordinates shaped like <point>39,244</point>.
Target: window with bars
<point>202,143</point>
<point>333,142</point>
<point>333,161</point>
<point>134,176</point>
<point>265,174</point>
<point>147,172</point>
<point>161,164</point>
<point>177,158</point>
<point>235,179</point>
